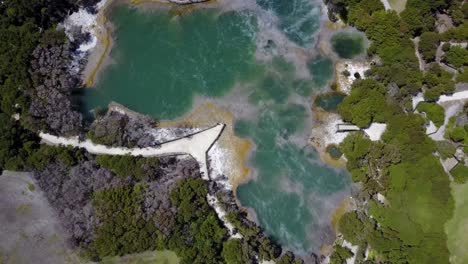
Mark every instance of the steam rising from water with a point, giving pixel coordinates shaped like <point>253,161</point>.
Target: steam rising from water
<point>294,193</point>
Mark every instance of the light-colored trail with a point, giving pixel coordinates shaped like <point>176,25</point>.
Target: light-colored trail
<point>196,145</point>
<point>458,96</point>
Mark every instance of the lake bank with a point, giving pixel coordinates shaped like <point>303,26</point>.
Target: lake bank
<point>268,110</point>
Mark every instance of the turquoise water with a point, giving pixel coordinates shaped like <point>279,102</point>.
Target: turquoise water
<point>298,19</point>
<point>162,62</point>
<point>329,101</point>
<point>321,69</point>
<point>347,45</point>
<point>169,60</point>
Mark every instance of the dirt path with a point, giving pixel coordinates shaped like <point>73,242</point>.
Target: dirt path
<point>416,51</point>
<point>196,145</point>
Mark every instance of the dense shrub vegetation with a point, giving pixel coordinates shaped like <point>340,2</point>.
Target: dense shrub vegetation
<point>24,24</point>
<point>434,112</point>
<point>127,165</point>
<point>122,229</point>
<point>428,43</point>
<point>408,226</point>
<point>367,103</point>
<point>460,173</point>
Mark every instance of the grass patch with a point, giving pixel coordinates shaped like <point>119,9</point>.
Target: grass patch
<point>152,257</point>
<point>457,227</point>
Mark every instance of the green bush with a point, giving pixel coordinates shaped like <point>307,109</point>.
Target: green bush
<point>127,165</point>
<point>460,173</point>
<point>428,43</point>
<point>437,82</point>
<point>458,134</point>
<point>456,56</point>
<point>434,112</point>
<point>235,251</point>
<point>198,235</point>
<point>123,229</point>
<point>365,104</point>
<point>340,255</point>
<point>445,149</point>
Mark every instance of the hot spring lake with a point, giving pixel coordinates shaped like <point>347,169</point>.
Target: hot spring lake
<point>159,63</point>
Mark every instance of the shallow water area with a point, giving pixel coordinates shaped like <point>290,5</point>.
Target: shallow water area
<point>329,101</point>
<point>161,63</point>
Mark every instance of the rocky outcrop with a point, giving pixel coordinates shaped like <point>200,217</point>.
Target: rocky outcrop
<point>156,203</point>
<point>119,129</point>
<point>335,10</point>
<point>51,107</point>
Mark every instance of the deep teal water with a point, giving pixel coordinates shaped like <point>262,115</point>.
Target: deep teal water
<point>170,60</point>
<point>162,62</point>
<point>348,45</point>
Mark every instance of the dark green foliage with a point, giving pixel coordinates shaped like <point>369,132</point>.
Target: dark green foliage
<point>409,228</point>
<point>359,12</point>
<point>236,251</point>
<point>462,77</point>
<point>456,57</point>
<point>354,229</point>
<point>428,43</point>
<point>460,173</point>
<point>123,229</point>
<point>407,132</point>
<point>355,147</point>
<point>13,141</point>
<point>23,23</point>
<point>127,165</point>
<point>459,33</point>
<point>392,45</point>
<point>368,161</point>
<point>419,17</point>
<point>434,112</point>
<point>288,258</point>
<point>340,255</point>
<point>437,82</point>
<point>458,134</point>
<point>198,236</point>
<point>40,156</point>
<point>266,248</point>
<point>445,149</point>
<point>366,103</point>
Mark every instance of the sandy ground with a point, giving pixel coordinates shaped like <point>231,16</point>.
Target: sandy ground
<point>353,66</point>
<point>30,232</point>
